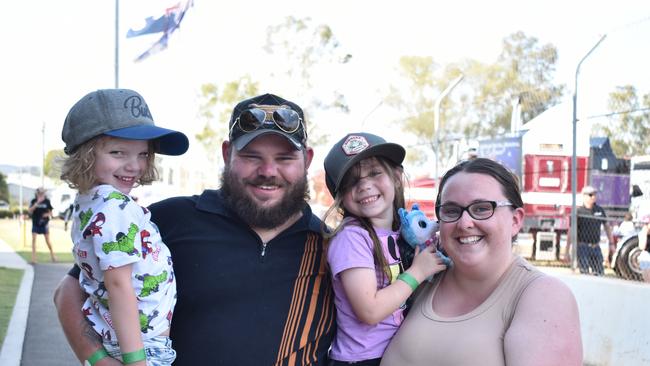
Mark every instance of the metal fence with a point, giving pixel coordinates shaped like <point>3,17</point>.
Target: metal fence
<point>606,247</point>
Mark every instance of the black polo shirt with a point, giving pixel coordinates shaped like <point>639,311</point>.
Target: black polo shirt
<point>239,302</point>
<point>589,221</point>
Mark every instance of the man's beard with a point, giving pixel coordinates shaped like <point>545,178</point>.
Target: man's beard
<point>293,201</point>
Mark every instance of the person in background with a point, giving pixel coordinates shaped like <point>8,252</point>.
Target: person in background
<point>490,307</point>
<point>364,174</point>
<point>623,230</point>
<point>590,219</point>
<point>67,216</point>
<point>40,209</point>
<point>627,227</point>
<point>642,214</point>
<point>249,258</point>
<point>644,259</point>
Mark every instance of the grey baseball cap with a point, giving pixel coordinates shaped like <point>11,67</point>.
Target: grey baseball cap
<point>120,113</point>
<point>241,138</point>
<point>353,148</point>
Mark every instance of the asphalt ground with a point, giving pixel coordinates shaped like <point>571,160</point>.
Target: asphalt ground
<point>44,342</point>
<point>34,336</point>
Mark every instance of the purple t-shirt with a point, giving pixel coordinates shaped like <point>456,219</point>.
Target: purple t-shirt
<point>352,248</point>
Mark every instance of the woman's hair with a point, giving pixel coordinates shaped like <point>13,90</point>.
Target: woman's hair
<point>79,168</point>
<point>337,211</point>
<point>507,180</point>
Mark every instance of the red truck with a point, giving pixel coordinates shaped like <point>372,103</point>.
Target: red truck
<point>540,154</point>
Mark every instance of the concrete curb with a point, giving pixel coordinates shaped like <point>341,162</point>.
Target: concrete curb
<point>12,348</point>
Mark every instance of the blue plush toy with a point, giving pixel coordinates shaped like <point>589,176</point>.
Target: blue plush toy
<point>417,230</point>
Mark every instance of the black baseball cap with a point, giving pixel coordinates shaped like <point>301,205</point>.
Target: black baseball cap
<point>240,138</point>
<point>353,148</point>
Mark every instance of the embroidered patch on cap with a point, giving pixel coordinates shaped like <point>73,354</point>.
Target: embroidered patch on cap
<point>354,144</point>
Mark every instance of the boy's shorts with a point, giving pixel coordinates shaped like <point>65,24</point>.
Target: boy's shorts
<point>158,350</point>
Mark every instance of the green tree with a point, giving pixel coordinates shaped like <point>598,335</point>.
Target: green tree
<point>215,109</point>
<point>524,71</point>
<point>4,188</point>
<point>628,125</point>
<point>481,105</point>
<point>302,48</point>
<point>53,163</point>
<point>414,99</point>
<point>305,49</point>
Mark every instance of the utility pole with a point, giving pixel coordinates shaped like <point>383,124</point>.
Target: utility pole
<point>117,44</point>
<point>371,112</point>
<point>574,162</point>
<point>21,217</point>
<point>43,155</point>
<point>436,118</point>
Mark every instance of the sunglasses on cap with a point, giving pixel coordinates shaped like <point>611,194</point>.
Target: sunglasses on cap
<point>264,116</point>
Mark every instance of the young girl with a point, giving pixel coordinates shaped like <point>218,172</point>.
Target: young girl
<point>364,175</point>
<point>41,210</point>
<point>127,270</point>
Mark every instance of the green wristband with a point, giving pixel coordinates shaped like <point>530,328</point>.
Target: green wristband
<point>98,355</point>
<point>135,356</point>
<point>410,280</point>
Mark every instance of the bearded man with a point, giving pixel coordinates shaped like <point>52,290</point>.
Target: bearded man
<point>248,258</point>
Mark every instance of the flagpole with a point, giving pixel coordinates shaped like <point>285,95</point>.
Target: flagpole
<point>117,44</point>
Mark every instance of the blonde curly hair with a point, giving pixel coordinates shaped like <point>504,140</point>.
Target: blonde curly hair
<point>79,168</point>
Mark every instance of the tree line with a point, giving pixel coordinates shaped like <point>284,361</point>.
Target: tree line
<point>480,107</point>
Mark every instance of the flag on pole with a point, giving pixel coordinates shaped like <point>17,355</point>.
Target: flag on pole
<point>166,23</point>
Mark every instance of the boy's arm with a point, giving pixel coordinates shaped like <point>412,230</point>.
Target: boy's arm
<point>84,341</point>
<point>123,306</point>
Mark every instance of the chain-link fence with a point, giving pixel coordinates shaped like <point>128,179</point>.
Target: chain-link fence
<point>598,253</point>
<point>612,209</point>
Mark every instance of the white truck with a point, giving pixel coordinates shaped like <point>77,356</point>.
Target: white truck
<point>627,258</point>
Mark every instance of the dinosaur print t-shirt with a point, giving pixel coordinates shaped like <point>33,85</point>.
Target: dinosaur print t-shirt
<point>111,230</point>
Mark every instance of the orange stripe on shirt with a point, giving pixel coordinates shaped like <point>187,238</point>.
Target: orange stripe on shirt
<point>297,304</point>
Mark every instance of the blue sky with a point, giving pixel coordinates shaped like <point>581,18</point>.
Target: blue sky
<point>55,52</point>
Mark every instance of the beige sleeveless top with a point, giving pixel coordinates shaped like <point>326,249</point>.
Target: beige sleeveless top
<point>475,338</point>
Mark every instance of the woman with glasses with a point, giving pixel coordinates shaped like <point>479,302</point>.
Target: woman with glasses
<point>490,307</point>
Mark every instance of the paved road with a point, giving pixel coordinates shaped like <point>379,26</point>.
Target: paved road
<point>45,343</point>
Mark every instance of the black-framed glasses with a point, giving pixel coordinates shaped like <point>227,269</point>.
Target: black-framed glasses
<point>480,210</point>
<point>282,117</point>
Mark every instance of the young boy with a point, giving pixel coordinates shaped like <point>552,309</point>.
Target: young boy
<point>127,271</point>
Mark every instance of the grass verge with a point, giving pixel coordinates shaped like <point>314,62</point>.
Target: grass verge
<point>9,284</point>
<point>19,236</point>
